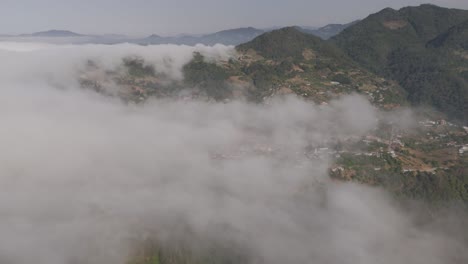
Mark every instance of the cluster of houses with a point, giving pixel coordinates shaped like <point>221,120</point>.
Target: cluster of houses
<point>432,123</point>
<point>463,149</point>
<point>390,146</point>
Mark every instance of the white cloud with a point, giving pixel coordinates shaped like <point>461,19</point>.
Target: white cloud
<point>82,176</point>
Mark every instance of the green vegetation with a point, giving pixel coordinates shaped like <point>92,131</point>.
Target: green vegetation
<point>290,43</point>
<point>417,47</point>
<point>208,77</point>
<point>310,67</point>
<point>442,186</point>
<point>455,38</point>
<point>136,67</point>
<point>284,61</point>
<point>445,185</point>
<point>421,49</point>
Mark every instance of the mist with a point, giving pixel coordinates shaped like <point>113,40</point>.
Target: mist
<point>86,178</point>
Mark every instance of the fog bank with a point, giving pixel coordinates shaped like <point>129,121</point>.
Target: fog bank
<point>83,176</point>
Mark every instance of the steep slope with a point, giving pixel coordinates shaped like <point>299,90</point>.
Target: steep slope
<point>288,60</point>
<point>373,39</point>
<point>397,44</point>
<point>455,38</point>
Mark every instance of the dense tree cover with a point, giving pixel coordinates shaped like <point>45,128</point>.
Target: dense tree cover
<point>209,77</point>
<point>429,80</point>
<point>136,67</point>
<point>456,37</point>
<point>290,43</point>
<point>288,54</point>
<point>445,185</point>
<point>448,185</point>
<point>416,46</point>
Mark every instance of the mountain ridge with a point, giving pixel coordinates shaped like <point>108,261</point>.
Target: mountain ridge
<point>53,33</point>
<point>227,37</point>
<point>396,44</point>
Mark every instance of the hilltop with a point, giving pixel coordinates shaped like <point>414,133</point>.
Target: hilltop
<point>289,42</point>
<point>312,68</point>
<point>372,40</point>
<point>54,33</point>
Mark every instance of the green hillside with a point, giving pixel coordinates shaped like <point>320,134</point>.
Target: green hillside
<point>456,38</point>
<point>422,48</point>
<point>373,39</point>
<point>290,42</point>
<point>290,60</point>
<point>284,61</point>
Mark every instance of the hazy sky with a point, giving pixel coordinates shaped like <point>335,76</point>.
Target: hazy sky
<point>140,17</point>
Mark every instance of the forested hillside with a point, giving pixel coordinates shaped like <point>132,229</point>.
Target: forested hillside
<point>423,48</point>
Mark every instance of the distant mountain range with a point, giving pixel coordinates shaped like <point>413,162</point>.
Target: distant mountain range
<point>327,31</point>
<point>239,35</point>
<point>226,37</point>
<point>53,34</point>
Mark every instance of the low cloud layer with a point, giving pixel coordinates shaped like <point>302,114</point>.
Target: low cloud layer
<point>84,176</point>
<point>44,62</point>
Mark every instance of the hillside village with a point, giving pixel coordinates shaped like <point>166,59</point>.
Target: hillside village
<point>432,145</point>
<point>290,62</point>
